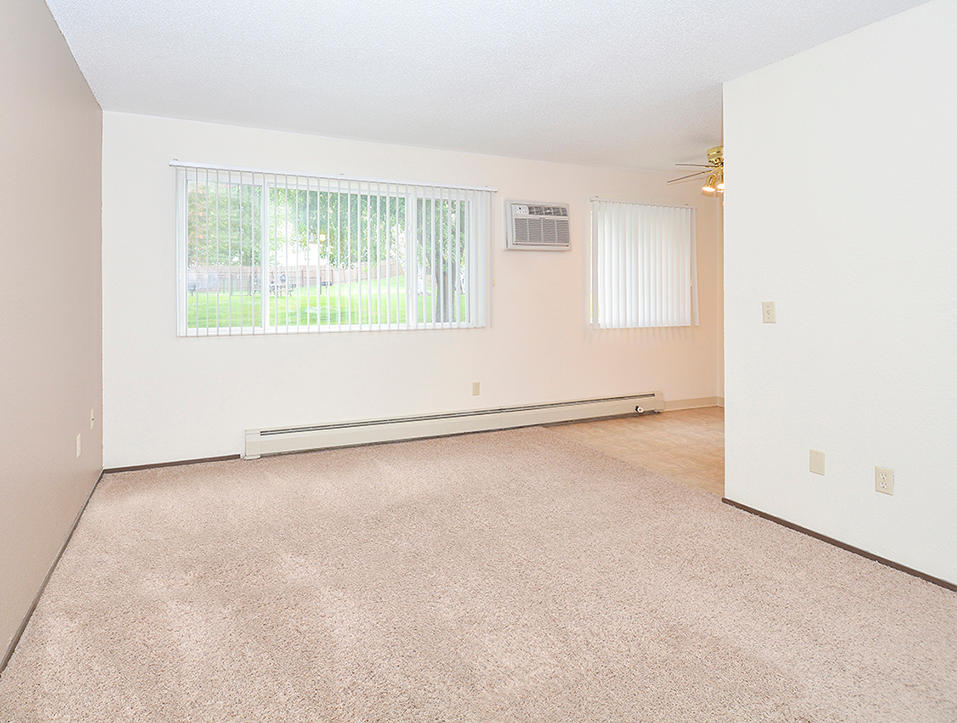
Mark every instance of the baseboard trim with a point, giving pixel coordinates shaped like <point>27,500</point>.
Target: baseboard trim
<point>697,403</point>
<point>176,463</point>
<point>8,653</point>
<point>843,545</point>
<point>676,405</point>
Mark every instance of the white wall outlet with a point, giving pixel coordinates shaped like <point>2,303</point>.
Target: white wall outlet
<point>92,417</point>
<point>768,313</point>
<point>79,445</point>
<point>816,461</point>
<point>884,480</point>
<point>476,389</point>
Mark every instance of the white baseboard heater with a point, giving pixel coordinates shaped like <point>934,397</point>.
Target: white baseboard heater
<point>261,442</point>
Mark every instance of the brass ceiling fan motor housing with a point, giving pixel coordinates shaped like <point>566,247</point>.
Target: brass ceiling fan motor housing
<point>716,156</point>
<point>715,182</point>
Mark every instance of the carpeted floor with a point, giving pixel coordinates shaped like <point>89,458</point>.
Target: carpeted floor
<point>508,575</point>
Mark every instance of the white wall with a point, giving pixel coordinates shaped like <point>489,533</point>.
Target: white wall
<point>169,398</point>
<point>841,174</point>
<point>50,130</point>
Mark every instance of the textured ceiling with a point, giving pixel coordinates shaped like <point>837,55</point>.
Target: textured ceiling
<point>631,83</point>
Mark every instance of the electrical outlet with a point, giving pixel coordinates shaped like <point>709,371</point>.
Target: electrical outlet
<point>476,389</point>
<point>79,446</point>
<point>884,480</point>
<point>92,418</point>
<point>768,313</point>
<point>816,462</point>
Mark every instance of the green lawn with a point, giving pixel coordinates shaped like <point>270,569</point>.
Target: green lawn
<point>382,303</point>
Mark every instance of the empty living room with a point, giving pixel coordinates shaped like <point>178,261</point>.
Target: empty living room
<point>527,360</point>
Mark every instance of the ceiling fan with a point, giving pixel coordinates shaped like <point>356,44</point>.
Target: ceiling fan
<point>713,169</point>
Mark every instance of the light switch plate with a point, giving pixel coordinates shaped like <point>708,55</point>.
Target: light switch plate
<point>816,461</point>
<point>884,480</point>
<point>476,389</point>
<point>768,313</point>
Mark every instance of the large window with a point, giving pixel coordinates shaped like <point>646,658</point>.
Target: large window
<point>266,253</point>
<point>642,265</point>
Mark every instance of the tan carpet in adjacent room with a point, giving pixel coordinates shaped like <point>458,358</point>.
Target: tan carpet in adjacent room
<point>509,575</point>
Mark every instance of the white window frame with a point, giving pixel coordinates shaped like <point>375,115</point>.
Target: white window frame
<point>479,203</point>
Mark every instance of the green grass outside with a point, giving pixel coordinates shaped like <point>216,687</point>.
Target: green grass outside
<point>382,303</point>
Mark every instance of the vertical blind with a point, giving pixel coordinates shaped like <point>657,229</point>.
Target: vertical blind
<point>263,252</point>
<point>643,270</point>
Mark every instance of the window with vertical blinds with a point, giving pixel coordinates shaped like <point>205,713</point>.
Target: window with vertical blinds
<point>643,271</point>
<point>262,253</point>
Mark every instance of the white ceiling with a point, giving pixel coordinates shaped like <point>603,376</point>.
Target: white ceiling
<point>631,83</point>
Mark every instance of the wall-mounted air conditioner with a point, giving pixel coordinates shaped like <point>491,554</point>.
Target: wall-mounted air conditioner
<point>535,226</point>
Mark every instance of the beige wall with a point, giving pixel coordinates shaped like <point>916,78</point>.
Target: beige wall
<point>168,398</point>
<point>50,153</point>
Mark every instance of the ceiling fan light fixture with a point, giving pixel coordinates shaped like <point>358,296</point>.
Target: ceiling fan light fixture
<point>713,172</point>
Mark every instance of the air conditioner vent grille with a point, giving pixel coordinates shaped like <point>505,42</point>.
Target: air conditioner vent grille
<point>547,211</point>
<point>537,226</point>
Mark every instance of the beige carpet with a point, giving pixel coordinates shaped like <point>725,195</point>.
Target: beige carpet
<point>510,575</point>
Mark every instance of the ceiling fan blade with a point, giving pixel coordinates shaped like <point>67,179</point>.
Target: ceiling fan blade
<point>695,165</point>
<point>690,175</point>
